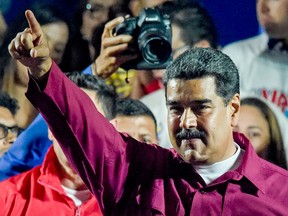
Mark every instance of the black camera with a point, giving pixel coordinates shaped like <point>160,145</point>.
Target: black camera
<point>152,35</point>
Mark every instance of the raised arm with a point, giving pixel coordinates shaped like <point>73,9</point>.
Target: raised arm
<point>104,159</point>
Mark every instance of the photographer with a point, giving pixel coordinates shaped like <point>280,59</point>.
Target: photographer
<point>149,40</point>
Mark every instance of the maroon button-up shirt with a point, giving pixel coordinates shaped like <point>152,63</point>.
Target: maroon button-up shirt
<point>132,178</point>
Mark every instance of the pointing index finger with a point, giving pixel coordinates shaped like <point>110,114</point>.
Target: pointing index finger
<point>33,24</point>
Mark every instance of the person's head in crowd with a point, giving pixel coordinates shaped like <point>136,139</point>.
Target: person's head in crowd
<point>259,124</point>
<point>89,19</point>
<point>104,99</point>
<point>135,118</point>
<point>273,17</point>
<point>192,26</point>
<point>202,92</point>
<point>97,90</point>
<point>8,128</point>
<point>56,27</point>
<point>97,12</point>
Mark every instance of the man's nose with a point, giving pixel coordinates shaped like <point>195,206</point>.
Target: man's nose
<point>188,119</point>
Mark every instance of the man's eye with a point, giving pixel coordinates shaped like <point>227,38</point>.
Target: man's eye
<point>175,109</point>
<point>200,108</point>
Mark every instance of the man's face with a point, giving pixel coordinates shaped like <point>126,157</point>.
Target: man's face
<point>144,128</point>
<point>273,17</point>
<point>200,126</point>
<point>6,119</point>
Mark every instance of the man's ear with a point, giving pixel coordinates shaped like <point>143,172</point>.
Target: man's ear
<point>234,105</point>
<point>202,43</point>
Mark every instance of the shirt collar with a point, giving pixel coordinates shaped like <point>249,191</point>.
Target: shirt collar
<point>251,166</point>
<point>49,174</point>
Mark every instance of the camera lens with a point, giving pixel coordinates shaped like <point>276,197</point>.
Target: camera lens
<point>156,50</point>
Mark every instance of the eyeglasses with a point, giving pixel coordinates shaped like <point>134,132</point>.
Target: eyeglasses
<point>4,130</point>
<point>96,9</point>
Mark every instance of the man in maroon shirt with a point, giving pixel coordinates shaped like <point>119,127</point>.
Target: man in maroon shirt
<point>211,171</point>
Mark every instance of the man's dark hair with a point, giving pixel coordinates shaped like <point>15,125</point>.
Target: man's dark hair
<point>131,107</point>
<point>8,102</point>
<point>206,62</point>
<point>104,93</point>
<point>193,20</point>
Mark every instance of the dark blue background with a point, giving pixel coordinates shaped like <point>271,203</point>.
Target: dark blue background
<point>235,19</point>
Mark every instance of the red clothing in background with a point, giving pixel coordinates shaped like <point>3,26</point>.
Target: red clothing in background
<point>39,192</point>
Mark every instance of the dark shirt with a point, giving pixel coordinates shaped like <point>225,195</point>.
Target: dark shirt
<point>133,178</point>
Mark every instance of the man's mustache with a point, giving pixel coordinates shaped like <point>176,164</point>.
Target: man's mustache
<point>190,134</point>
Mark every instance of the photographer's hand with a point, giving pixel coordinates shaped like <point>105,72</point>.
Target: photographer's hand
<point>111,56</point>
<point>30,47</point>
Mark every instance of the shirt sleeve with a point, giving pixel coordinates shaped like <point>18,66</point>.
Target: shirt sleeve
<point>104,158</point>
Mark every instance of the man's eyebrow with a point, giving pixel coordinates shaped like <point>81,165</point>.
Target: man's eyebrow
<point>202,101</point>
<point>171,102</point>
<point>196,101</point>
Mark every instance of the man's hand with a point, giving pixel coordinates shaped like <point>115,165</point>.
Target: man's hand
<point>31,48</point>
<point>111,56</point>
